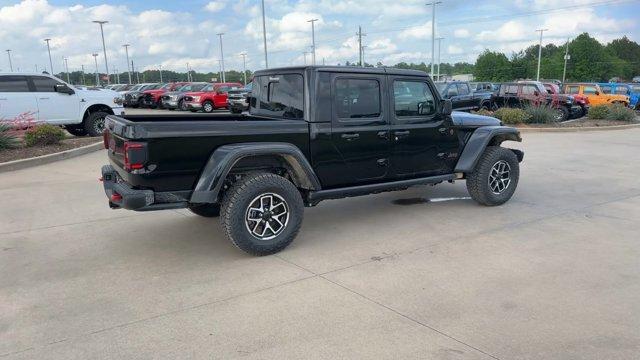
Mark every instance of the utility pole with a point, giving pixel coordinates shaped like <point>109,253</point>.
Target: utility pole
<point>313,40</point>
<point>117,75</point>
<point>566,58</point>
<point>160,67</point>
<point>82,73</point>
<point>360,35</point>
<point>439,39</point>
<point>364,62</point>
<point>540,52</point>
<point>126,50</point>
<point>49,50</point>
<point>137,73</point>
<point>95,58</point>
<point>220,70</point>
<point>222,57</point>
<point>10,64</point>
<point>188,73</point>
<point>244,66</point>
<point>66,68</point>
<point>264,38</point>
<point>104,48</point>
<point>433,34</point>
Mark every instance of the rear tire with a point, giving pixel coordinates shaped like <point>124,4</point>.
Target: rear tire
<point>206,210</point>
<point>262,213</point>
<point>562,113</point>
<point>94,123</point>
<point>495,177</point>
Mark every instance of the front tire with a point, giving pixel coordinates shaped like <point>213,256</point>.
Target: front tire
<point>76,130</point>
<point>208,107</point>
<point>495,177</point>
<point>562,113</point>
<point>94,123</point>
<point>262,213</point>
<point>182,105</point>
<point>205,210</point>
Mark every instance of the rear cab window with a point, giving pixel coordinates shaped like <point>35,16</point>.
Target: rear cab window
<point>278,95</point>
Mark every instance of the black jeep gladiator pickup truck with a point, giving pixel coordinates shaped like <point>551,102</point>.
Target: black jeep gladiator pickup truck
<point>312,133</point>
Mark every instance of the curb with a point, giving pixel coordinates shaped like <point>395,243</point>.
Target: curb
<point>579,129</point>
<point>46,159</point>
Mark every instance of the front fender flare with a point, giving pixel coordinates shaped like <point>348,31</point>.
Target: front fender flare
<point>478,142</point>
<point>225,157</point>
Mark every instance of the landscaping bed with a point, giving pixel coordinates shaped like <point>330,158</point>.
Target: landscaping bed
<point>582,122</point>
<point>25,152</point>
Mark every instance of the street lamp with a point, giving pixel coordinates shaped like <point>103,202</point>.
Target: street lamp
<point>439,39</point>
<point>95,58</point>
<point>160,68</point>
<point>313,40</point>
<point>126,50</point>
<point>433,33</point>
<point>66,66</point>
<point>221,57</point>
<point>49,50</point>
<point>540,52</point>
<point>264,38</point>
<point>244,66</point>
<point>10,64</point>
<point>104,48</point>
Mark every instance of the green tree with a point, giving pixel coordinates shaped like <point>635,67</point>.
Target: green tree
<point>492,66</point>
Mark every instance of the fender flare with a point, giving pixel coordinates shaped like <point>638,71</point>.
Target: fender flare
<point>478,142</point>
<point>225,157</point>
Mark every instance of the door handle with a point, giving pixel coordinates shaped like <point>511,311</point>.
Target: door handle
<point>401,133</point>
<point>44,98</point>
<point>383,135</point>
<point>442,130</point>
<point>351,136</point>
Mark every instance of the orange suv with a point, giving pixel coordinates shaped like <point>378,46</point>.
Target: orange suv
<point>595,95</point>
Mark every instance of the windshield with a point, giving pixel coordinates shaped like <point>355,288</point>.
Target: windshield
<point>166,86</point>
<point>635,88</point>
<point>441,87</point>
<point>622,90</point>
<point>208,88</point>
<point>197,87</point>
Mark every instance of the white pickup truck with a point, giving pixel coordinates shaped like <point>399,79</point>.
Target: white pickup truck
<point>47,99</point>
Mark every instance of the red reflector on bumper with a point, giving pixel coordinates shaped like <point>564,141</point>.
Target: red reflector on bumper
<point>116,197</point>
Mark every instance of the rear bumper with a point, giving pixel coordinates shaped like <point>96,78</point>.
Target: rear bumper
<point>122,195</point>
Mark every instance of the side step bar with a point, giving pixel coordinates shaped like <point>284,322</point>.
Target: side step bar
<point>315,197</point>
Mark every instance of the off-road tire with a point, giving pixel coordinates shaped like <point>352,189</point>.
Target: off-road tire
<point>239,198</point>
<point>94,123</point>
<point>204,106</point>
<point>206,210</point>
<point>76,130</point>
<point>563,112</point>
<point>478,180</point>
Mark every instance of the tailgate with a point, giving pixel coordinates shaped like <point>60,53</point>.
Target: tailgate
<point>124,154</point>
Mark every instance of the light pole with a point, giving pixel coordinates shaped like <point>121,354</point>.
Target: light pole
<point>360,53</point>
<point>160,67</point>
<point>126,50</point>
<point>49,50</point>
<point>219,70</point>
<point>305,56</point>
<point>244,66</point>
<point>104,48</point>
<point>439,39</point>
<point>313,41</point>
<point>433,33</point>
<point>221,57</point>
<point>66,67</point>
<point>95,58</point>
<point>364,62</point>
<point>540,52</point>
<point>264,37</point>
<point>10,64</point>
<point>82,73</point>
<point>566,58</point>
<point>188,73</point>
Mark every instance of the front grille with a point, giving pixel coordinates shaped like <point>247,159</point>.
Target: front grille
<point>188,98</point>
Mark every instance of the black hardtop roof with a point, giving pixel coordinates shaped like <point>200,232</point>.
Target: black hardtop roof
<point>344,69</point>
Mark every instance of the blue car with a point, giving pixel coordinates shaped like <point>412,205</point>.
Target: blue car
<point>631,90</point>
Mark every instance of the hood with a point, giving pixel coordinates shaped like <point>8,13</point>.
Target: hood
<point>170,93</point>
<point>155,91</point>
<point>195,93</point>
<point>97,94</point>
<point>617,97</point>
<point>463,119</point>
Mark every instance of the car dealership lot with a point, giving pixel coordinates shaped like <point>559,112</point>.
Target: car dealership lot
<point>422,273</point>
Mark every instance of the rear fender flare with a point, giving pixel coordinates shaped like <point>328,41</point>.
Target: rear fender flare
<point>225,157</point>
<point>481,138</point>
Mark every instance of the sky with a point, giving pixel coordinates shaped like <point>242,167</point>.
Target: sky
<point>170,34</point>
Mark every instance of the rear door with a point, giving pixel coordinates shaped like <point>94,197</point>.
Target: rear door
<point>423,142</point>
<point>55,107</point>
<point>17,102</point>
<point>360,127</point>
<point>464,96</point>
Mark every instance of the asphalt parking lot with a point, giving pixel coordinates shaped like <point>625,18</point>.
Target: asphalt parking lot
<point>418,274</point>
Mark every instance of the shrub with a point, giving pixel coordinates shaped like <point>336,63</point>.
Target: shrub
<point>8,137</point>
<point>485,112</point>
<point>541,114</point>
<point>43,135</point>
<point>598,112</point>
<point>620,113</point>
<point>511,115</point>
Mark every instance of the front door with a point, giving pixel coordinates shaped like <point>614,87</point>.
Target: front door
<point>360,128</point>
<point>17,103</point>
<point>55,107</point>
<point>423,141</point>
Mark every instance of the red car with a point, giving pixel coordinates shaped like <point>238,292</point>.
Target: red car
<point>213,96</point>
<point>581,100</point>
<point>153,98</point>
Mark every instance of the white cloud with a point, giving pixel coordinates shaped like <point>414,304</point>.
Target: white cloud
<point>461,33</point>
<point>454,50</point>
<point>422,31</point>
<point>215,6</point>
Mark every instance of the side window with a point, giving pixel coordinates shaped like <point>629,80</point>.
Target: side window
<point>463,89</point>
<point>589,90</point>
<point>13,84</point>
<point>278,95</point>
<point>509,89</point>
<point>413,98</point>
<point>529,89</point>
<point>621,90</point>
<point>452,90</point>
<point>357,98</point>
<point>606,89</point>
<point>573,90</point>
<point>44,84</point>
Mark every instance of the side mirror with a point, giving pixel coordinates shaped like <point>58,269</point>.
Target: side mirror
<point>63,89</point>
<point>446,107</point>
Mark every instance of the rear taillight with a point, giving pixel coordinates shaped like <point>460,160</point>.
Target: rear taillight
<point>105,138</point>
<point>135,155</point>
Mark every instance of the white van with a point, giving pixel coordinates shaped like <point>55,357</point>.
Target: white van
<point>50,100</point>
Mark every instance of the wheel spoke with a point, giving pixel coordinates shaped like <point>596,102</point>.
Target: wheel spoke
<point>499,177</point>
<point>267,216</point>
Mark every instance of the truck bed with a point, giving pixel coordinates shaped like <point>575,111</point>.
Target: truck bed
<point>178,147</point>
